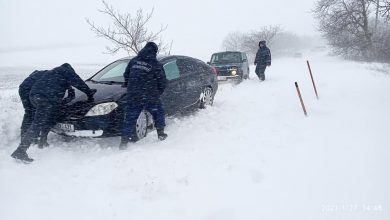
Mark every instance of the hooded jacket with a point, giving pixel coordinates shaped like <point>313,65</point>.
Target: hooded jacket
<point>263,55</point>
<point>55,82</point>
<point>26,85</point>
<point>145,76</point>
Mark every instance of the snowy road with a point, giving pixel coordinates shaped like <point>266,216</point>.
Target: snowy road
<point>253,155</point>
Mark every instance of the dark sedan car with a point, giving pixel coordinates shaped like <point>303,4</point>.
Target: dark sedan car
<point>190,83</point>
<point>230,65</point>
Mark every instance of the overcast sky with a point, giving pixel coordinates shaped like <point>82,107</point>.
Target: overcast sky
<point>50,31</point>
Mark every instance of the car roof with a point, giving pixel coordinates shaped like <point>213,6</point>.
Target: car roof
<point>229,52</point>
<point>165,57</point>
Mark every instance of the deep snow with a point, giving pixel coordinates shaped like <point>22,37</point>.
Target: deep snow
<point>253,155</point>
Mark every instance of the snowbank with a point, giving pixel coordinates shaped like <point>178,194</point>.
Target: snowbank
<point>253,155</point>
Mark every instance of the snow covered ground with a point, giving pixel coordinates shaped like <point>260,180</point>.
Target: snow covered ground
<point>253,155</point>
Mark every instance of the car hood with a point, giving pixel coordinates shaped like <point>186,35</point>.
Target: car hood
<point>79,106</point>
<point>105,92</point>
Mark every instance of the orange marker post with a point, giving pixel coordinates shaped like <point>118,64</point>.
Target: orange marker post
<point>300,98</point>
<point>312,79</point>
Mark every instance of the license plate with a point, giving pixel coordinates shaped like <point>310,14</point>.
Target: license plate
<point>65,127</point>
<point>222,78</point>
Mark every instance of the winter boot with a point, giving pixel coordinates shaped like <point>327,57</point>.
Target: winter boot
<point>161,135</point>
<point>43,143</point>
<point>21,155</point>
<point>123,144</point>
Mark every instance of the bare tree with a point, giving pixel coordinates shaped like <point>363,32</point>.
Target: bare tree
<point>250,42</point>
<point>128,32</point>
<point>345,24</point>
<point>384,8</point>
<point>233,41</point>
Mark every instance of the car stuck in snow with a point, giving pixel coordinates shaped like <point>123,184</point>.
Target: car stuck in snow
<point>191,83</point>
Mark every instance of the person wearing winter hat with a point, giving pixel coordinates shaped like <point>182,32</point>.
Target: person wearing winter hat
<point>262,60</point>
<point>46,95</point>
<point>145,81</point>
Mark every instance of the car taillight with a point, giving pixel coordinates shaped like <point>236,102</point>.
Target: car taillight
<point>214,70</point>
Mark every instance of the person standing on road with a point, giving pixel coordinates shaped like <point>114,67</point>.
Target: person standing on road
<point>145,81</point>
<point>46,96</point>
<point>262,60</point>
<point>29,108</point>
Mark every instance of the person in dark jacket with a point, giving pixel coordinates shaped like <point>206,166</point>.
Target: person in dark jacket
<point>145,81</point>
<point>46,96</point>
<point>29,109</point>
<point>262,60</point>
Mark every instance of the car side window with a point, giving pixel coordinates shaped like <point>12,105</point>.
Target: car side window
<point>171,70</point>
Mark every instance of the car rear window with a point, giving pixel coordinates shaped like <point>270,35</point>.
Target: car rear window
<point>171,70</point>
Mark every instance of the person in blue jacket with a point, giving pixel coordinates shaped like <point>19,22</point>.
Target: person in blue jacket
<point>262,60</point>
<point>29,108</point>
<point>46,96</point>
<point>145,81</point>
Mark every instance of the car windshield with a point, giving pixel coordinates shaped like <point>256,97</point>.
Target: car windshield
<point>112,73</point>
<point>227,57</point>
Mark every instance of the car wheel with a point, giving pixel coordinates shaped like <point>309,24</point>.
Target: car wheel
<point>246,76</point>
<point>206,97</point>
<point>141,127</point>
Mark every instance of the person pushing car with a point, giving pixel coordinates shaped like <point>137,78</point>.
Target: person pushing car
<point>46,95</point>
<point>29,108</point>
<point>145,81</point>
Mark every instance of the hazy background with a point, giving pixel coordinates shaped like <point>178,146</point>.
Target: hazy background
<point>49,32</point>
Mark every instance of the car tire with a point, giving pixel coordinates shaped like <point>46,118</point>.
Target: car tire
<point>206,97</point>
<point>141,126</point>
<point>247,75</point>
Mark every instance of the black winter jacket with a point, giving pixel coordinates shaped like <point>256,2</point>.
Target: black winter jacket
<point>55,82</point>
<point>26,85</point>
<point>263,56</point>
<point>145,77</point>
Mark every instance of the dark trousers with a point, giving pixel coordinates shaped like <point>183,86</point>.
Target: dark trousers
<point>45,112</point>
<point>29,111</point>
<point>260,71</point>
<point>133,111</point>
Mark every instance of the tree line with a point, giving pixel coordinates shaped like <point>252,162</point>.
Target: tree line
<point>281,43</point>
<point>356,29</point>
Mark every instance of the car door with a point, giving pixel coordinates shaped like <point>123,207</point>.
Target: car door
<point>191,76</point>
<point>174,93</point>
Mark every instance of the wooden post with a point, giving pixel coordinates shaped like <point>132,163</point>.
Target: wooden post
<point>300,98</point>
<point>312,79</point>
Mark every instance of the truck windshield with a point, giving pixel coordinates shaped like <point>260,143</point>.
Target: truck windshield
<point>226,57</point>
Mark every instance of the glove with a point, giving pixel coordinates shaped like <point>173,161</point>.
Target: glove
<point>90,95</point>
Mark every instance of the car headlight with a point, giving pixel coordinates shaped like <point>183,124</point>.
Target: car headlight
<point>102,109</point>
<point>233,71</point>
